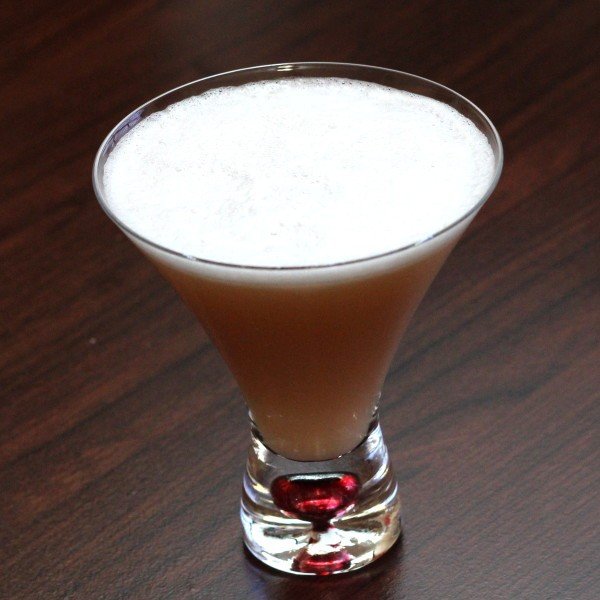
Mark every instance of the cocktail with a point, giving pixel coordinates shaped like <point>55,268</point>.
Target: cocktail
<point>301,211</point>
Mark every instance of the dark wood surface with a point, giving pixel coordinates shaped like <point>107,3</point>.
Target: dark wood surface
<point>122,435</point>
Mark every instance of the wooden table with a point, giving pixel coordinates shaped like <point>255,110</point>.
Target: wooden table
<point>122,435</point>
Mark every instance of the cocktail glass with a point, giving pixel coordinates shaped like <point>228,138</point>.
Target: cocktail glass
<point>310,347</point>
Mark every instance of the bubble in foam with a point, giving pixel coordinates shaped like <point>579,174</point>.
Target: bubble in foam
<point>297,171</point>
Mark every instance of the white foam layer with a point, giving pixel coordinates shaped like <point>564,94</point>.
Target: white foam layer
<point>297,172</point>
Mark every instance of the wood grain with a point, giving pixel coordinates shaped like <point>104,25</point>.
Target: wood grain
<point>122,435</point>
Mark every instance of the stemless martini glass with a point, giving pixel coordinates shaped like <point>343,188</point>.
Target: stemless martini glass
<point>310,347</point>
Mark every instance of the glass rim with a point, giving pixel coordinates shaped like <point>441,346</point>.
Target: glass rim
<point>288,68</point>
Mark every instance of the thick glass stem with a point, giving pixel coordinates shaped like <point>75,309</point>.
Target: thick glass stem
<point>320,517</point>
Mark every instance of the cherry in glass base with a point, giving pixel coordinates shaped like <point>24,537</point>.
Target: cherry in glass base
<point>322,517</point>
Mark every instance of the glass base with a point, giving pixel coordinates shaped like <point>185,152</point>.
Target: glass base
<point>322,517</point>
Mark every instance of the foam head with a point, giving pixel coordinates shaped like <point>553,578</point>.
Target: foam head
<point>297,171</point>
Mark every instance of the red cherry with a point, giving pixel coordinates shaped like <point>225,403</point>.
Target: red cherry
<point>315,497</point>
<point>322,564</point>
